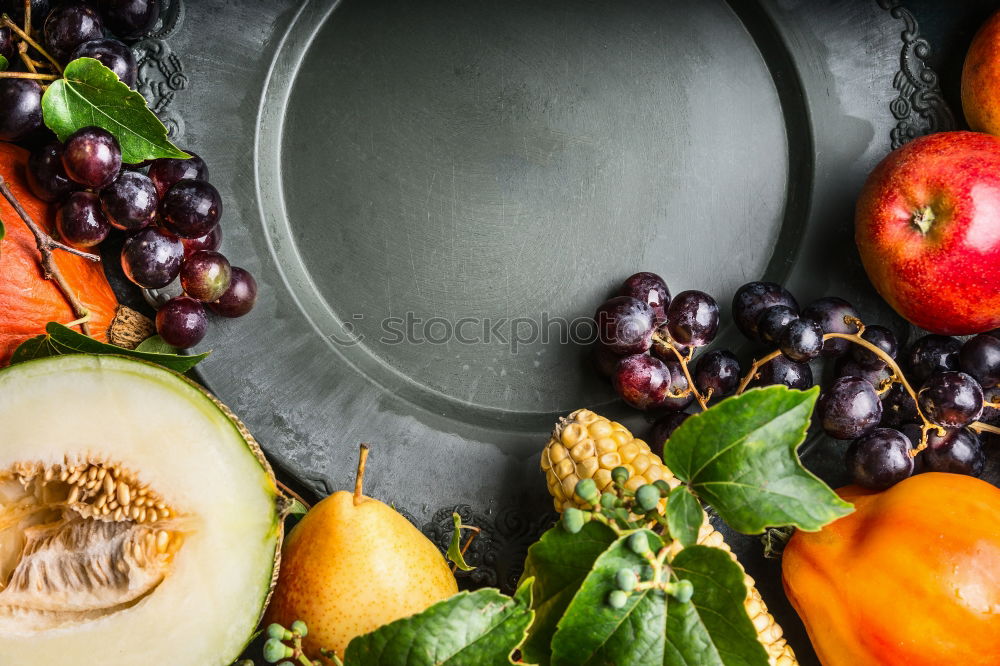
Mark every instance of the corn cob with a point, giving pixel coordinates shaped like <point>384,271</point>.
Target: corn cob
<point>587,445</point>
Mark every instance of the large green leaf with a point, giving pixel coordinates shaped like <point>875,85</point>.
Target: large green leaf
<point>559,562</point>
<point>29,350</point>
<point>91,94</point>
<point>713,629</point>
<point>740,456</point>
<point>480,628</point>
<point>684,516</point>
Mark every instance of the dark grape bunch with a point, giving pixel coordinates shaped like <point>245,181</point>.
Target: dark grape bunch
<point>647,341</point>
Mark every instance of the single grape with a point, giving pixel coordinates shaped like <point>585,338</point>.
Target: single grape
<point>957,452</point>
<point>7,44</point>
<point>831,314</point>
<point>753,298</point>
<point>167,172</point>
<point>928,355</point>
<point>92,157</point>
<point>850,408</point>
<point>882,338</point>
<point>625,325</point>
<point>70,25</point>
<point>717,371</point>
<point>783,370</point>
<point>182,322</point>
<point>80,220</point>
<point>275,630</point>
<point>46,176</point>
<point>773,321</point>
<point>112,54</point>
<point>802,340</point>
<point>880,459</point>
<point>241,296</point>
<point>152,258</point>
<point>15,9</point>
<point>650,289</point>
<point>663,428</point>
<point>980,357</point>
<point>678,384</point>
<point>20,108</point>
<point>898,407</point>
<point>300,628</point>
<point>130,19</point>
<point>693,318</point>
<point>205,275</point>
<point>130,201</point>
<point>605,360</point>
<point>848,367</point>
<point>191,208</point>
<point>210,241</point>
<point>642,381</point>
<point>991,415</point>
<point>951,399</point>
<point>661,349</point>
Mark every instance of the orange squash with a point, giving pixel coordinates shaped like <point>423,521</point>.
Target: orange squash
<point>27,300</point>
<point>912,577</point>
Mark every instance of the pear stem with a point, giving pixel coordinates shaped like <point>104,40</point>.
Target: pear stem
<point>360,479</point>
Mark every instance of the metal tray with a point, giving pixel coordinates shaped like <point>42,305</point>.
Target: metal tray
<point>441,161</point>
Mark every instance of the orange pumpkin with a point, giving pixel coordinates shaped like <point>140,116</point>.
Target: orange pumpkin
<point>27,300</point>
<point>912,577</point>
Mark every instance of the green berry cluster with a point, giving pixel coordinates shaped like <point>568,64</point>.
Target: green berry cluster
<point>277,652</point>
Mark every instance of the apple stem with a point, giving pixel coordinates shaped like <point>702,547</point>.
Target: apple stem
<point>923,219</point>
<point>360,478</point>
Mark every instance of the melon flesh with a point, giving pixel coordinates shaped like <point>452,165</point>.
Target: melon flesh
<point>91,574</point>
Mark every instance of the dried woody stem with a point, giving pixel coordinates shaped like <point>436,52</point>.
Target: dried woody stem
<point>46,244</point>
<point>6,21</point>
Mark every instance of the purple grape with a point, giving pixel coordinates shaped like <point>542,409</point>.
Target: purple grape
<point>663,350</point>
<point>781,370</point>
<point>191,208</point>
<point>205,275</point>
<point>930,354</point>
<point>898,407</point>
<point>802,340</point>
<point>92,157</point>
<point>7,44</point>
<point>693,318</point>
<point>152,258</point>
<point>951,399</point>
<point>849,409</point>
<point>957,452</point>
<point>130,202</point>
<point>80,220</point>
<point>112,54</point>
<point>642,381</point>
<point>70,25</point>
<point>182,322</point>
<point>773,321</point>
<point>980,357</point>
<point>625,325</point>
<point>241,296</point>
<point>605,360</point>
<point>20,108</point>
<point>831,314</point>
<point>877,377</point>
<point>130,19</point>
<point>882,338</point>
<point>880,459</point>
<point>167,172</point>
<point>210,241</point>
<point>717,371</point>
<point>678,385</point>
<point>15,9</point>
<point>650,289</point>
<point>663,428</point>
<point>991,415</point>
<point>46,176</point>
<point>753,298</point>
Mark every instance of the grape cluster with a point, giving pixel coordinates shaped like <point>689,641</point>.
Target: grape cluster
<point>647,341</point>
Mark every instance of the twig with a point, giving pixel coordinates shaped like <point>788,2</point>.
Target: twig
<point>979,426</point>
<point>359,480</point>
<point>27,16</point>
<point>46,244</point>
<point>35,45</point>
<point>294,495</point>
<point>35,76</point>
<point>754,369</point>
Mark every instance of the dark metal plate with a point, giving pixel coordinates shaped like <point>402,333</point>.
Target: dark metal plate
<point>394,168</point>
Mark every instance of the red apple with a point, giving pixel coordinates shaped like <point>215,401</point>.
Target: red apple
<point>928,229</point>
<point>981,79</point>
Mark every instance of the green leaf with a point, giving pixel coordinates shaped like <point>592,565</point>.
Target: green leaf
<point>3,63</point>
<point>713,629</point>
<point>29,350</point>
<point>559,562</point>
<point>91,94</point>
<point>740,457</point>
<point>297,508</point>
<point>684,516</point>
<point>156,345</point>
<point>470,629</point>
<point>455,547</point>
<point>67,341</point>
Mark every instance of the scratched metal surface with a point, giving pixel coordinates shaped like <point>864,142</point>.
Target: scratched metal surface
<point>496,160</point>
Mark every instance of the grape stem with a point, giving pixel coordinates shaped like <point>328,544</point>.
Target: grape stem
<point>755,370</point>
<point>34,76</point>
<point>46,244</point>
<point>684,360</point>
<point>31,42</point>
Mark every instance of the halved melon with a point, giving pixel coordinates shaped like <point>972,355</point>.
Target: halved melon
<point>139,521</point>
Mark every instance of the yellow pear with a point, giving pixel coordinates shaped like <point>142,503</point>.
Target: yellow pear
<point>353,564</point>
